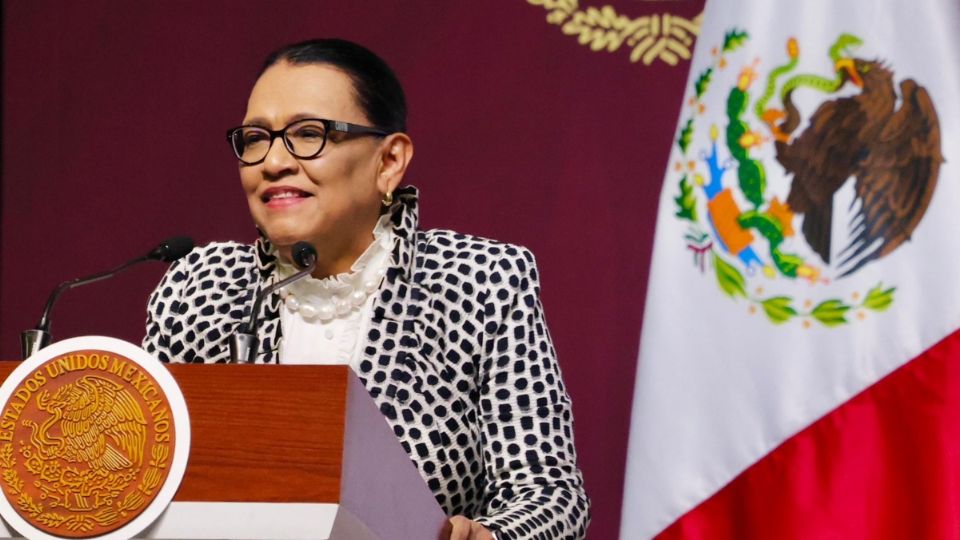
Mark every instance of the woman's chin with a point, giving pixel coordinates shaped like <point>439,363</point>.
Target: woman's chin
<point>286,232</point>
<point>283,243</point>
<point>286,239</point>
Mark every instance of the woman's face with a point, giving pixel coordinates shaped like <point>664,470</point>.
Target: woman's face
<point>332,200</point>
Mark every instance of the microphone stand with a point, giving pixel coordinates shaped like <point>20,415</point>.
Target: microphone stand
<point>31,341</point>
<point>244,344</point>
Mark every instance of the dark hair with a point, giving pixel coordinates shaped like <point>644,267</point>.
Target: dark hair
<point>378,91</point>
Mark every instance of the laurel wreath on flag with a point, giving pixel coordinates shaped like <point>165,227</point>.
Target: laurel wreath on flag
<point>663,37</point>
<point>779,309</point>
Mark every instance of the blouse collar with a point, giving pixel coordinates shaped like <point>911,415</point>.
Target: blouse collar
<point>364,275</point>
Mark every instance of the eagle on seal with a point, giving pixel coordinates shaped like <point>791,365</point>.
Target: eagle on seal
<point>100,424</point>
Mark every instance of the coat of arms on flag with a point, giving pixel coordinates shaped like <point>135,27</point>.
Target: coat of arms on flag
<point>768,164</point>
<point>804,286</point>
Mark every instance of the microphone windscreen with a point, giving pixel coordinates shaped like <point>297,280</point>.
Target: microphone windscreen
<point>172,249</point>
<point>303,254</point>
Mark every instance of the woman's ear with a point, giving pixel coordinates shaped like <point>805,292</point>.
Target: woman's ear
<point>396,151</point>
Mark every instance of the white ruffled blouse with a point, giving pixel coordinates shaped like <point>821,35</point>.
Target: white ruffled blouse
<point>322,319</point>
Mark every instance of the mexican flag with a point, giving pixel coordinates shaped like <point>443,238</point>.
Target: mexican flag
<point>799,367</point>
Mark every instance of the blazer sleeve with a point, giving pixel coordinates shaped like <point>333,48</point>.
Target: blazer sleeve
<point>536,488</point>
<point>199,302</point>
<point>163,310</point>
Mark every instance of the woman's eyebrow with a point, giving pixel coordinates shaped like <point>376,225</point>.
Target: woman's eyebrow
<point>301,116</point>
<point>258,121</point>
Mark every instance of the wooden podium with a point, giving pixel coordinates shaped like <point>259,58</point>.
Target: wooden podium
<point>289,452</point>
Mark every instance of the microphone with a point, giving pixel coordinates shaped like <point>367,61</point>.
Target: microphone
<point>244,342</point>
<point>171,249</point>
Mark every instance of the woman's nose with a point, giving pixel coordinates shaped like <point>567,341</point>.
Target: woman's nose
<point>279,162</point>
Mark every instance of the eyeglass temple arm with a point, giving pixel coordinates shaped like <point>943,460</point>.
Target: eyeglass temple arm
<point>346,127</point>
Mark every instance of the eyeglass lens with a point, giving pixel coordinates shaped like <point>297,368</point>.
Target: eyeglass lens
<point>304,139</point>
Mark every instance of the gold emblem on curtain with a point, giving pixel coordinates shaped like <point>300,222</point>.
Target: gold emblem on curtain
<point>664,37</point>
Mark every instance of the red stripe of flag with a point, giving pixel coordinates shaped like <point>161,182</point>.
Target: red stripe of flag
<point>885,464</point>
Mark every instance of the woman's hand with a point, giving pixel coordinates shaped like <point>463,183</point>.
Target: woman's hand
<point>462,528</point>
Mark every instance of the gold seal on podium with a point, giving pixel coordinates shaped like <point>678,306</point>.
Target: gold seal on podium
<point>87,442</point>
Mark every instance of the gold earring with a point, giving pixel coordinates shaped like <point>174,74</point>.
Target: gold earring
<point>387,199</point>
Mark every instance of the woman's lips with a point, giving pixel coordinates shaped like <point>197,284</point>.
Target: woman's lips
<point>282,197</point>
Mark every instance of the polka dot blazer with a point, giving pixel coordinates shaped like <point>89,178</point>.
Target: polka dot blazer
<point>457,357</point>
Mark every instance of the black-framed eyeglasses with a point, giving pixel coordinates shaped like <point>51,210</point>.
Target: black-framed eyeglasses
<point>304,138</point>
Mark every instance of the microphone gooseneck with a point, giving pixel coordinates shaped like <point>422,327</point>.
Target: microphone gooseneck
<point>244,344</point>
<point>39,337</point>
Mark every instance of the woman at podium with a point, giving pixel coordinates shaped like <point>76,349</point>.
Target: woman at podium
<point>445,330</point>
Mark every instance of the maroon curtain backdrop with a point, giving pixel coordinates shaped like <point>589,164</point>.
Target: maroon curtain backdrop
<point>113,122</point>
